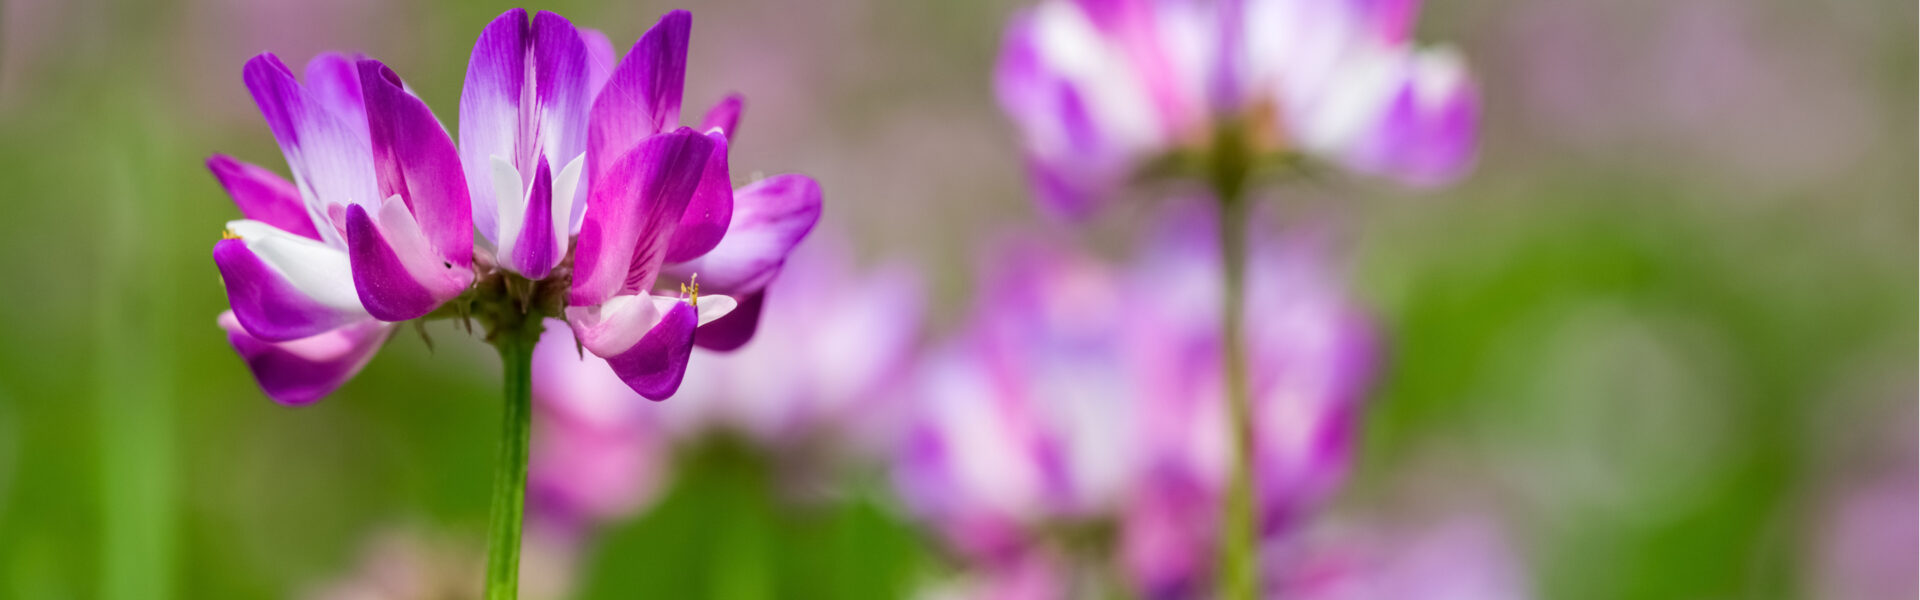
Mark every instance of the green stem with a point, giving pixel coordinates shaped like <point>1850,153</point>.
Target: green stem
<point>1239,553</point>
<point>514,338</point>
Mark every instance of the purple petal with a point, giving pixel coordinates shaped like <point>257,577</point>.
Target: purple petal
<point>634,209</point>
<point>328,155</point>
<point>288,288</point>
<point>653,362</point>
<point>1391,19</point>
<point>1429,134</point>
<point>388,290</point>
<point>730,332</point>
<point>601,57</point>
<point>335,83</point>
<point>416,160</point>
<point>724,115</point>
<point>301,371</point>
<point>770,217</point>
<point>490,111</point>
<point>642,97</point>
<point>263,195</point>
<point>535,250</point>
<point>707,215</point>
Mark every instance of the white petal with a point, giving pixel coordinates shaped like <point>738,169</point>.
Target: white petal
<point>319,271</point>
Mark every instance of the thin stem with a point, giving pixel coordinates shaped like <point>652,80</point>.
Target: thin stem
<point>1239,554</point>
<point>514,338</point>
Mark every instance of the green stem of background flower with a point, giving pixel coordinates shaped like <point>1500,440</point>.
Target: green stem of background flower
<point>1239,554</point>
<point>515,339</point>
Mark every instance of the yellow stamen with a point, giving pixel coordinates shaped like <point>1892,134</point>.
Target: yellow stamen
<point>228,234</point>
<point>692,290</point>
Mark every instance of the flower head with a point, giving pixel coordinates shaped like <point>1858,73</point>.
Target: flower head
<point>1085,404</point>
<point>374,228</point>
<point>583,188</point>
<point>1102,88</point>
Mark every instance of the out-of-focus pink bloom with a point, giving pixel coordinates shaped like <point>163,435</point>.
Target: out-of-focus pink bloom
<point>374,227</point>
<point>835,343</point>
<point>1081,395</point>
<point>1312,357</point>
<point>1870,545</point>
<point>598,454</point>
<point>1099,87</point>
<point>1027,419</point>
<point>1462,559</point>
<point>406,564</point>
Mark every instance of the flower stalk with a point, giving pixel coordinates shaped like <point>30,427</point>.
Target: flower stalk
<point>1230,165</point>
<point>514,331</point>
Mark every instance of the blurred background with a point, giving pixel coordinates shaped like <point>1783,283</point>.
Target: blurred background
<point>1665,334</point>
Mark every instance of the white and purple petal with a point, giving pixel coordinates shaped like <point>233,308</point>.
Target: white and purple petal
<point>328,153</point>
<point>396,273</point>
<point>415,160</point>
<point>770,217</point>
<point>300,371</point>
<point>645,339</point>
<point>635,206</point>
<point>283,286</point>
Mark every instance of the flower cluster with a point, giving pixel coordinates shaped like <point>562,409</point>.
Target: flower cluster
<point>1102,89</point>
<point>1083,407</point>
<point>571,165</point>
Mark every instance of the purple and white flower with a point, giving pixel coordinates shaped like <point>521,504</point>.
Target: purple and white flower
<point>1084,397</point>
<point>660,203</point>
<point>1099,88</point>
<point>373,229</point>
<point>583,189</point>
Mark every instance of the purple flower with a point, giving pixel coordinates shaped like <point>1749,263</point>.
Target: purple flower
<point>1101,87</point>
<point>1081,395</point>
<point>374,227</point>
<point>660,202</point>
<point>582,186</point>
<point>821,369</point>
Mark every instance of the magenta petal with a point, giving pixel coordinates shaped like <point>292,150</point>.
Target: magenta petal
<point>770,217</point>
<point>490,111</point>
<point>335,83</point>
<point>388,291</point>
<point>535,252</point>
<point>601,57</point>
<point>633,211</point>
<point>705,220</point>
<point>654,366</point>
<point>416,160</point>
<point>730,332</point>
<point>328,155</point>
<point>263,195</point>
<point>269,306</point>
<point>642,96</point>
<point>724,115</point>
<point>1429,145</point>
<point>301,371</point>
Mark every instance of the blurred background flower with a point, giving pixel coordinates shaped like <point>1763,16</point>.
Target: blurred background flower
<point>1647,332</point>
